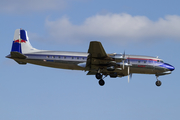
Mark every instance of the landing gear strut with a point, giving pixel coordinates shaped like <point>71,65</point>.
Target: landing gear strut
<point>99,77</point>
<point>158,82</point>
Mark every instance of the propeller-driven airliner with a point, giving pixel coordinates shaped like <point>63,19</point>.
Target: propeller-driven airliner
<point>96,61</point>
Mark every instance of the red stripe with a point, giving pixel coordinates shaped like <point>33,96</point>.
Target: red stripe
<point>142,59</point>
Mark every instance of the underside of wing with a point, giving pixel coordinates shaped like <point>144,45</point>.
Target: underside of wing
<point>91,73</point>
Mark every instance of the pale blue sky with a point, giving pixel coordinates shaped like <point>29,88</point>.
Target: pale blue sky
<point>139,27</point>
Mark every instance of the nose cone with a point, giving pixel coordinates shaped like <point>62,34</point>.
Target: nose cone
<point>168,66</point>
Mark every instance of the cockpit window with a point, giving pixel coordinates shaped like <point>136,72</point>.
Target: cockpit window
<point>161,61</point>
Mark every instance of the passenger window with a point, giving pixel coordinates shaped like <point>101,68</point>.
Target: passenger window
<point>47,56</point>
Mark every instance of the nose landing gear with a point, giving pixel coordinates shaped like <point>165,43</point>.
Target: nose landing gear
<point>158,82</point>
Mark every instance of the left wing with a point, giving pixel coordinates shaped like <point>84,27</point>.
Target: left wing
<point>97,58</point>
<point>96,50</point>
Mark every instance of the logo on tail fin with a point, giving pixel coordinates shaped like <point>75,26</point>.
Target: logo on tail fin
<point>20,41</point>
<point>22,37</point>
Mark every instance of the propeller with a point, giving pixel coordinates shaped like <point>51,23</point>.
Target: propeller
<point>123,59</point>
<point>128,65</point>
<point>129,70</point>
<point>128,74</point>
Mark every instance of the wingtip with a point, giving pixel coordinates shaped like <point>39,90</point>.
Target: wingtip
<point>95,41</point>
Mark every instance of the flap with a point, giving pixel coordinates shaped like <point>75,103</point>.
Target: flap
<point>91,73</point>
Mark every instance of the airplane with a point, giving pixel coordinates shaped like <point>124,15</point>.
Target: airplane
<point>96,61</point>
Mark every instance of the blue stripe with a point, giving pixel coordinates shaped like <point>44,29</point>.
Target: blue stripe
<point>50,56</point>
<point>50,60</point>
<point>16,47</point>
<point>23,34</point>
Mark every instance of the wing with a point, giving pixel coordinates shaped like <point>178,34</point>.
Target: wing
<point>97,57</point>
<point>96,50</point>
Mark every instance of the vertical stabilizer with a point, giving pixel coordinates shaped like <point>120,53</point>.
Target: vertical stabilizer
<point>21,42</point>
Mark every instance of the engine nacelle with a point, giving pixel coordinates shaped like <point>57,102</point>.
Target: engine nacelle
<point>111,68</point>
<point>113,75</point>
<point>117,57</point>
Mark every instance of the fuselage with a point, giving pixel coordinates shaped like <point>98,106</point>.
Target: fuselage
<point>77,61</point>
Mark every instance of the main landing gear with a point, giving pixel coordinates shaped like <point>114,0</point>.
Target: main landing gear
<point>99,77</point>
<point>158,82</point>
<point>102,82</point>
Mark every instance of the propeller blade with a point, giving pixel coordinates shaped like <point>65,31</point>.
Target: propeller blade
<point>128,74</point>
<point>123,64</point>
<point>124,54</point>
<point>128,61</point>
<point>123,59</point>
<point>129,70</point>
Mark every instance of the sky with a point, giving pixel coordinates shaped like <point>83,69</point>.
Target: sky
<point>140,27</point>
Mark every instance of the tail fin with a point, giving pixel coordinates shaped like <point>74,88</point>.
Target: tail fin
<point>21,42</point>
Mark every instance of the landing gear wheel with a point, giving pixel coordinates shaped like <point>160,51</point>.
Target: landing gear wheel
<point>158,83</point>
<point>101,82</point>
<point>98,75</point>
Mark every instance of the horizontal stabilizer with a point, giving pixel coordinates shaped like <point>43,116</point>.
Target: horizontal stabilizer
<point>19,62</point>
<point>17,55</point>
